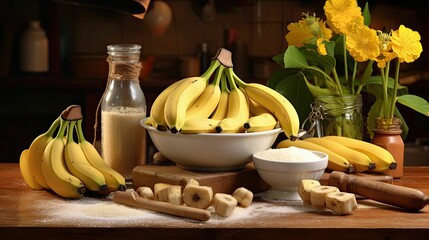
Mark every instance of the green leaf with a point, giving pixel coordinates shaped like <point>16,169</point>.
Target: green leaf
<point>293,58</point>
<point>278,75</point>
<point>366,15</point>
<point>326,61</point>
<point>414,102</point>
<point>279,59</point>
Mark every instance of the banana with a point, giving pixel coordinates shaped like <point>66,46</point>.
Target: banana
<point>341,203</point>
<point>114,180</point>
<point>222,108</point>
<point>171,194</point>
<point>360,161</point>
<point>59,179</point>
<point>200,125</point>
<point>157,109</point>
<point>304,189</point>
<point>238,109</point>
<point>318,195</point>
<point>145,192</point>
<point>243,196</point>
<point>224,204</point>
<point>382,158</point>
<point>261,122</point>
<point>336,162</point>
<point>276,103</point>
<point>207,102</point>
<point>35,153</point>
<point>24,167</point>
<point>256,108</point>
<point>79,166</point>
<point>158,187</point>
<point>183,96</point>
<point>198,196</point>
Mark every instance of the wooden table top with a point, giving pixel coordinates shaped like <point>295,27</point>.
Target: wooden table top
<point>28,214</point>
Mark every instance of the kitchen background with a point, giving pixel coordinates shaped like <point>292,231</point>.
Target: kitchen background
<point>78,37</point>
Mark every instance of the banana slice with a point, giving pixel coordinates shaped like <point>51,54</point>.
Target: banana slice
<point>304,189</point>
<point>317,195</point>
<point>158,187</point>
<point>145,192</point>
<point>224,204</point>
<point>169,193</point>
<point>191,181</point>
<point>198,196</point>
<point>342,203</point>
<point>243,196</point>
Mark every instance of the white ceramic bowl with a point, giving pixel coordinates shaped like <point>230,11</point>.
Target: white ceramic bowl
<point>211,151</point>
<point>285,176</point>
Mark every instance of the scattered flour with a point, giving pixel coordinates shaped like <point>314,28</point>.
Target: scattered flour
<point>104,212</point>
<point>289,154</point>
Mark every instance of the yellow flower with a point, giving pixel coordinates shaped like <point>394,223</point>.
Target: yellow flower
<point>307,30</point>
<point>321,47</point>
<point>340,13</point>
<point>362,42</point>
<point>298,34</point>
<point>386,53</point>
<point>406,44</point>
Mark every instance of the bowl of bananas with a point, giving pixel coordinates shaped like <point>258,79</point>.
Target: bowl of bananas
<point>284,168</point>
<point>211,151</point>
<point>216,121</point>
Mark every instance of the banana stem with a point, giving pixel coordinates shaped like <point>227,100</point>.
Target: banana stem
<point>53,127</point>
<point>237,80</point>
<point>79,131</point>
<point>223,84</point>
<point>63,126</point>
<point>218,75</point>
<point>70,131</point>
<point>230,76</point>
<point>213,66</point>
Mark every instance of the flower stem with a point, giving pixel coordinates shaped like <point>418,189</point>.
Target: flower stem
<point>384,76</point>
<point>354,77</point>
<point>346,71</point>
<point>337,81</point>
<point>395,90</point>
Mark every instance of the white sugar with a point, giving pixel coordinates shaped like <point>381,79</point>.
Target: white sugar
<point>290,154</point>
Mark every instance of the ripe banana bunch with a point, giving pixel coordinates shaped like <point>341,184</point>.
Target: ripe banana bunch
<point>330,197</point>
<point>225,105</point>
<point>67,167</point>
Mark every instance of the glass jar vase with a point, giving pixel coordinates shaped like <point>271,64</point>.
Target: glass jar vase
<point>123,106</point>
<point>340,116</point>
<point>387,134</point>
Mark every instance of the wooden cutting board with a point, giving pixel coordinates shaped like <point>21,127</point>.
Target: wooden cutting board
<point>224,182</point>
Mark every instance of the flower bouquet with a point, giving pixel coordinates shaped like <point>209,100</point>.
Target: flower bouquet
<point>335,58</point>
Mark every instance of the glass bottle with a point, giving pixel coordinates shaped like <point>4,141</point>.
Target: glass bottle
<point>387,134</point>
<point>34,49</point>
<point>340,116</point>
<point>123,140</point>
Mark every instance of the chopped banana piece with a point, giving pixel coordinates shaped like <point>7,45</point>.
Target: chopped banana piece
<point>243,196</point>
<point>145,192</point>
<point>304,189</point>
<point>198,196</point>
<point>158,187</point>
<point>224,204</point>
<point>342,203</point>
<point>317,195</point>
<point>191,182</point>
<point>171,194</point>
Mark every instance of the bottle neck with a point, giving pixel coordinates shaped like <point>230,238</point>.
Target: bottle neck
<point>124,70</point>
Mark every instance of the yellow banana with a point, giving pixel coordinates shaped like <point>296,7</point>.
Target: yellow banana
<point>157,109</point>
<point>59,179</point>
<point>207,102</point>
<point>200,125</point>
<point>114,180</point>
<point>382,158</point>
<point>79,166</point>
<point>256,108</point>
<point>24,167</point>
<point>360,161</point>
<point>35,153</point>
<point>183,96</point>
<point>238,109</point>
<point>261,122</point>
<point>222,108</point>
<point>276,103</point>
<point>336,162</point>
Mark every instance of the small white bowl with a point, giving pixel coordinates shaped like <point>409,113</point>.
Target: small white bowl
<point>211,152</point>
<point>284,176</point>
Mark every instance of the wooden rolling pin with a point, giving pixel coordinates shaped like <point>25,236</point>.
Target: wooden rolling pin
<point>131,198</point>
<point>399,196</point>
